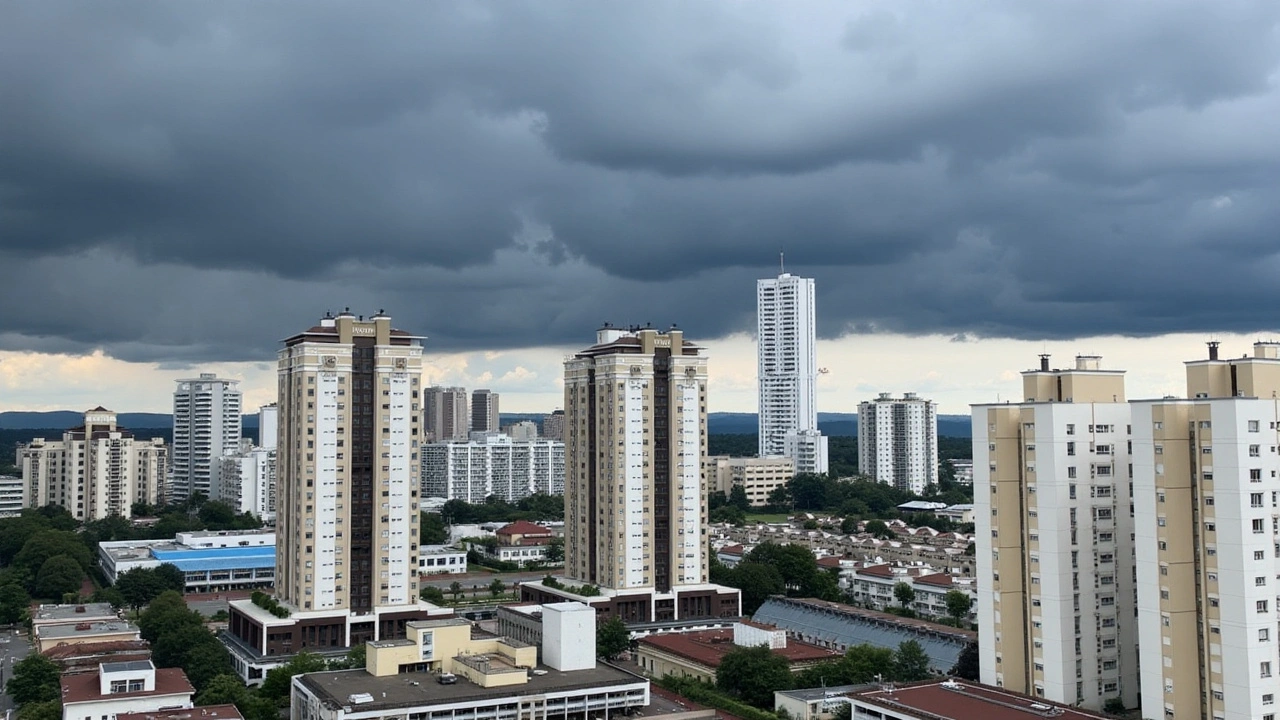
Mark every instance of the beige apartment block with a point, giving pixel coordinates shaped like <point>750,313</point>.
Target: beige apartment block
<point>348,466</point>
<point>447,414</point>
<point>1205,495</point>
<point>97,469</point>
<point>1054,541</point>
<point>636,420</point>
<point>758,477</point>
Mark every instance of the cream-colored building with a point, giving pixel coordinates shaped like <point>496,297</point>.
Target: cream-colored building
<point>1205,496</point>
<point>348,467</point>
<point>635,498</point>
<point>97,469</point>
<point>758,477</point>
<point>1054,531</point>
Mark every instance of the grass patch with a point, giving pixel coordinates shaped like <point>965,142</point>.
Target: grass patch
<point>768,517</point>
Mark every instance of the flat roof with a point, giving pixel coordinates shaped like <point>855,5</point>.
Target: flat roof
<point>397,691</point>
<point>207,712</point>
<point>811,694</point>
<point>708,647</point>
<point>95,628</point>
<point>73,612</point>
<point>959,700</point>
<point>114,667</point>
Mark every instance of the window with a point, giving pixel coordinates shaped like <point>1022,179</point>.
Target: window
<point>1205,425</point>
<point>1259,526</point>
<point>1071,471</point>
<point>1255,500</point>
<point>1071,428</point>
<point>1264,669</point>
<point>118,686</point>
<point>1071,448</point>
<point>1264,635</point>
<point>1253,426</point>
<point>1269,699</point>
<point>1261,606</point>
<point>1259,554</point>
<point>1255,451</point>
<point>1207,451</point>
<point>1260,581</point>
<point>1255,475</point>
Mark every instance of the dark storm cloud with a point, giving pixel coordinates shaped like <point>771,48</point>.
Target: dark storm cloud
<point>188,182</point>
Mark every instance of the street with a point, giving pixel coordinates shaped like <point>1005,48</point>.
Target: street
<point>13,647</point>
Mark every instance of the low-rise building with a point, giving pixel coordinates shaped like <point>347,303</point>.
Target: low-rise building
<point>446,668</point>
<point>124,688</point>
<point>872,585</point>
<point>520,542</point>
<point>211,561</point>
<point>204,712</point>
<point>955,700</point>
<point>758,477</point>
<point>812,703</point>
<point>839,627</point>
<point>86,657</point>
<point>13,495</point>
<point>698,654</point>
<point>73,614</point>
<point>48,637</point>
<point>441,560</point>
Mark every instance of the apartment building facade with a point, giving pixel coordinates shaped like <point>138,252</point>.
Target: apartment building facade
<point>206,428</point>
<point>484,411</point>
<point>1054,547</point>
<point>447,414</point>
<point>492,464</point>
<point>1205,484</point>
<point>97,469</point>
<point>788,369</point>
<point>898,441</point>
<point>758,477</point>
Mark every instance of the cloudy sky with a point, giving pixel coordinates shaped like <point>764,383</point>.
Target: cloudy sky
<point>183,184</point>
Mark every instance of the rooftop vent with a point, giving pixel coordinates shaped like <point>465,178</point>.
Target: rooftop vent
<point>359,698</point>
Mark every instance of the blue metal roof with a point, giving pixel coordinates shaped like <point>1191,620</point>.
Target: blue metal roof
<point>824,626</point>
<point>208,559</point>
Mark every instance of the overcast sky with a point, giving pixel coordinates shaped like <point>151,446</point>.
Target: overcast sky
<point>183,184</point>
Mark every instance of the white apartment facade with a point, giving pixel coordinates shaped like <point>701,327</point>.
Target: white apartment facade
<point>898,441</point>
<point>492,465</point>
<point>807,450</point>
<point>1054,530</point>
<point>247,479</point>
<point>1205,484</point>
<point>13,495</point>
<point>787,367</point>
<point>206,428</point>
<point>96,470</point>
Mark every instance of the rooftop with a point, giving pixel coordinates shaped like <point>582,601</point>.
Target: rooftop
<point>67,630</point>
<point>421,689</point>
<point>953,700</point>
<point>708,647</point>
<point>522,527</point>
<point>112,647</point>
<point>53,613</point>
<point>810,694</point>
<point>207,712</point>
<point>86,688</point>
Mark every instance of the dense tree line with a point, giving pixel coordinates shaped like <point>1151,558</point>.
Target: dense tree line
<point>494,509</point>
<point>771,569</point>
<point>842,450</point>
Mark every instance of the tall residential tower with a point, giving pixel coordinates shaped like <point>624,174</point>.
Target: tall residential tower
<point>898,441</point>
<point>446,413</point>
<point>788,370</point>
<point>1054,538</point>
<point>206,428</point>
<point>635,484</point>
<point>484,411</point>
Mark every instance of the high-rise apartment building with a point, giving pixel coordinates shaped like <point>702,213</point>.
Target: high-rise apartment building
<point>484,411</point>
<point>635,484</point>
<point>1054,534</point>
<point>898,441</point>
<point>788,366</point>
<point>447,414</point>
<point>348,465</point>
<point>247,479</point>
<point>348,469</point>
<point>492,464</point>
<point>553,426</point>
<point>206,428</point>
<point>97,469</point>
<point>1208,551</point>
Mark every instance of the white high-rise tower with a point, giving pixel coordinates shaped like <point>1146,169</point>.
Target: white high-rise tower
<point>206,428</point>
<point>788,370</point>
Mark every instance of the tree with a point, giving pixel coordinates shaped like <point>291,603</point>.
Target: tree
<point>432,529</point>
<point>877,528</point>
<point>1114,706</point>
<point>47,710</point>
<point>555,551</point>
<point>455,588</point>
<point>50,543</point>
<point>206,661</point>
<point>966,666</point>
<point>612,638</point>
<point>910,663</point>
<point>809,491</point>
<point>432,594</point>
<point>738,498</point>
<point>862,663</point>
<point>753,674</point>
<point>169,577</point>
<point>14,602</point>
<point>166,614</point>
<point>225,689</point>
<point>277,685</point>
<point>109,595</point>
<point>757,581</point>
<point>796,563</point>
<point>959,603</point>
<point>849,525</point>
<point>497,587</point>
<point>58,575</point>
<point>904,593</point>
<point>35,679</point>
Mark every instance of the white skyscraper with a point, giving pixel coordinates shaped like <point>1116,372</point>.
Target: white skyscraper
<point>788,367</point>
<point>206,428</point>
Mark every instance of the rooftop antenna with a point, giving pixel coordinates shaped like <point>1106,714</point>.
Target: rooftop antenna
<point>782,264</point>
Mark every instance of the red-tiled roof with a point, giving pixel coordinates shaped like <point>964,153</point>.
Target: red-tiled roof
<point>877,570</point>
<point>938,579</point>
<point>830,561</point>
<point>523,527</point>
<point>207,712</point>
<point>85,687</point>
<point>965,700</point>
<point>731,550</point>
<point>708,647</point>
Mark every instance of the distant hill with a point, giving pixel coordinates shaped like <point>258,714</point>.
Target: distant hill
<point>64,419</point>
<point>831,424</point>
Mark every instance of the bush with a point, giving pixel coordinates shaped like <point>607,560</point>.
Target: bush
<point>581,590</point>
<point>701,692</point>
<point>268,603</point>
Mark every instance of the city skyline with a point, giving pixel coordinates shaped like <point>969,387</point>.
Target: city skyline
<point>510,178</point>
